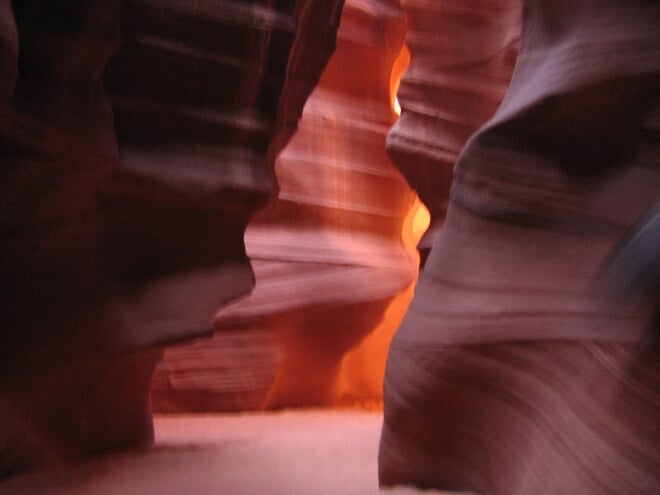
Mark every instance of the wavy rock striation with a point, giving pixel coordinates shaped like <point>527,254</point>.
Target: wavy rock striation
<point>463,53</point>
<point>329,254</point>
<point>513,371</point>
<point>123,217</point>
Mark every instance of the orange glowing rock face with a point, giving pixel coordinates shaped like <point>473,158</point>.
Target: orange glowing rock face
<point>398,69</point>
<point>334,255</point>
<point>363,368</point>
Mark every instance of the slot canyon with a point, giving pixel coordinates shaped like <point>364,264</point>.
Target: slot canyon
<point>330,246</point>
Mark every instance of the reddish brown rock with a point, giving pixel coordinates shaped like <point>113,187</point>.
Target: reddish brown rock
<point>513,372</point>
<point>203,100</point>
<point>329,254</point>
<point>123,220</point>
<point>463,54</point>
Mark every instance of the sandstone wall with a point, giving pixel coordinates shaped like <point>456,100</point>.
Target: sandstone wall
<point>332,265</point>
<point>515,371</point>
<point>123,215</point>
<point>463,53</point>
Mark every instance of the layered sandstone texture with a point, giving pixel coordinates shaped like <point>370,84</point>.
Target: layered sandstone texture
<point>463,53</point>
<point>514,371</point>
<point>123,216</point>
<point>334,254</point>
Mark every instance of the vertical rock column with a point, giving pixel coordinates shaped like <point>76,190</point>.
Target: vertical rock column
<point>514,370</point>
<point>328,253</point>
<point>463,53</point>
<point>116,244</point>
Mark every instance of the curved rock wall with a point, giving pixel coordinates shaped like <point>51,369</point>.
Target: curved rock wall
<point>463,53</point>
<point>329,255</point>
<point>203,100</point>
<point>514,372</point>
<point>123,217</point>
<point>56,144</point>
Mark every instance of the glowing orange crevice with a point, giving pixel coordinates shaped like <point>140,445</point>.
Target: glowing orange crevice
<point>363,369</point>
<point>398,69</point>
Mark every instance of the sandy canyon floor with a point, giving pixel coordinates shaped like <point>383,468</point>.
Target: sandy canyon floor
<point>311,452</point>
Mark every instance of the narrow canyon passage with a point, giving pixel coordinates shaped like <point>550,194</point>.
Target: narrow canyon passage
<point>334,254</point>
<point>328,246</point>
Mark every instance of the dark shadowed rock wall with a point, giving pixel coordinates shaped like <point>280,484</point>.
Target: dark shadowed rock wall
<point>122,216</point>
